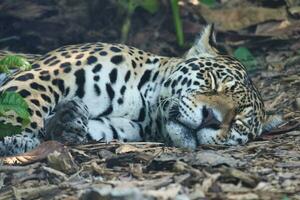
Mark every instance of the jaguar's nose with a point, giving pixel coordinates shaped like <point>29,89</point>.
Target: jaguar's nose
<point>209,119</point>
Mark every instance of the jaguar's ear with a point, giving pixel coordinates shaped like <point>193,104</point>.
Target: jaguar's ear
<point>205,45</point>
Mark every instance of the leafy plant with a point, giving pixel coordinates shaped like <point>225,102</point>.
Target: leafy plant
<point>130,6</point>
<point>245,57</point>
<point>12,102</point>
<point>9,130</point>
<point>177,22</point>
<point>13,61</point>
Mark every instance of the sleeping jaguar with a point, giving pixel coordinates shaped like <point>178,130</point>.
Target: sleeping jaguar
<point>105,92</point>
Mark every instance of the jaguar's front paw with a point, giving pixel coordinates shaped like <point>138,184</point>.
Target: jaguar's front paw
<point>69,122</point>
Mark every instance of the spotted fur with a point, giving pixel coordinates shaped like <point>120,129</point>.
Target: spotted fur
<point>132,95</point>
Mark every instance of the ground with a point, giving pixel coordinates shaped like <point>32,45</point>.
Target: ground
<point>268,168</point>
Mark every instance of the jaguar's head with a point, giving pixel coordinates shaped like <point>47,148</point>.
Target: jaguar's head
<point>209,99</point>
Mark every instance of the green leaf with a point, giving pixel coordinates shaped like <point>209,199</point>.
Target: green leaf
<point>4,69</point>
<point>128,5</point>
<point>9,130</point>
<point>245,57</point>
<point>14,61</point>
<point>151,6</point>
<point>11,101</point>
<point>209,3</point>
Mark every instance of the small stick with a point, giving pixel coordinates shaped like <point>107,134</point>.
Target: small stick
<point>9,168</point>
<point>55,172</point>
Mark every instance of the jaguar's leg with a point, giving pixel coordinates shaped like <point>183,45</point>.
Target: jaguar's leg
<point>69,123</point>
<point>18,144</point>
<point>106,129</point>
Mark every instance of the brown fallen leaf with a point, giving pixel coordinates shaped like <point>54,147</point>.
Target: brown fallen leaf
<point>37,154</point>
<point>294,10</point>
<point>197,192</point>
<point>125,159</point>
<point>40,192</point>
<point>289,126</point>
<point>278,28</point>
<point>236,18</point>
<point>230,187</point>
<point>62,161</point>
<point>209,181</point>
<point>107,192</point>
<point>212,159</point>
<point>207,158</point>
<point>27,10</point>
<point>295,164</point>
<point>244,196</point>
<point>169,192</point>
<point>246,178</point>
<point>125,148</point>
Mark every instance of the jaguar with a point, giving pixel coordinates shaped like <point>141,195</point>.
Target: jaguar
<point>104,92</point>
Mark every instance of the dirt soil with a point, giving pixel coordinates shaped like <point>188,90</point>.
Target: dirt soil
<point>268,168</point>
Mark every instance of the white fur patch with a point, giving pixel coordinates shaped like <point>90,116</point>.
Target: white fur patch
<point>180,136</point>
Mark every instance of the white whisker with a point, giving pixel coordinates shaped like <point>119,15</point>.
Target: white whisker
<point>169,100</point>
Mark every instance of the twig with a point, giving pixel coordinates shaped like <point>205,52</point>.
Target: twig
<point>55,172</point>
<point>117,143</point>
<point>28,193</point>
<point>10,169</point>
<point>31,177</point>
<point>74,175</point>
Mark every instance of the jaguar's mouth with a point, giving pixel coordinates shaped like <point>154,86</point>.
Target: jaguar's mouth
<point>209,120</point>
<point>183,135</point>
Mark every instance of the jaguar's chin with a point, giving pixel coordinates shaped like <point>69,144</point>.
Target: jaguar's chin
<point>180,135</point>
